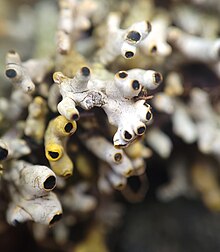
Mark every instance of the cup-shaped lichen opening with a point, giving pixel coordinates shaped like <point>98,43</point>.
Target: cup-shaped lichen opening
<point>158,78</point>
<point>141,130</point>
<point>133,36</point>
<point>117,157</point>
<point>75,117</point>
<point>68,127</point>
<point>64,127</point>
<point>129,54</point>
<point>50,183</point>
<point>135,85</point>
<point>148,116</point>
<point>85,71</point>
<point>153,49</point>
<point>3,153</point>
<point>127,136</point>
<point>67,174</point>
<point>122,74</point>
<point>54,152</point>
<point>10,73</point>
<point>55,219</point>
<point>15,223</point>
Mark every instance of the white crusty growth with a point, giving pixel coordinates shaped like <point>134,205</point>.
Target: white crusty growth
<point>160,142</point>
<point>130,116</point>
<point>207,122</point>
<point>105,151</point>
<point>45,210</point>
<point>183,125</point>
<point>122,41</point>
<point>17,73</point>
<point>179,184</point>
<point>31,196</point>
<point>164,103</point>
<point>156,42</point>
<point>17,147</point>
<point>38,68</point>
<point>195,48</point>
<point>78,200</point>
<point>73,18</point>
<point>25,74</point>
<point>109,179</point>
<point>116,97</point>
<point>12,108</point>
<point>31,180</point>
<point>76,92</point>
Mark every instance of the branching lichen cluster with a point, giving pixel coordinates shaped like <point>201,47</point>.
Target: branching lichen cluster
<point>79,116</point>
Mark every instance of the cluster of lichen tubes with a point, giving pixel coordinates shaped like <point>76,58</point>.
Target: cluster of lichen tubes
<point>84,110</point>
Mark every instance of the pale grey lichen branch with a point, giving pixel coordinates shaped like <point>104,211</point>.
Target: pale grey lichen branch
<point>12,108</point>
<point>74,17</point>
<point>122,41</point>
<point>194,47</point>
<point>26,74</point>
<point>156,42</point>
<point>31,197</point>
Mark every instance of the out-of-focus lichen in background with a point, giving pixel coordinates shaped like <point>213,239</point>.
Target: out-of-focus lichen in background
<point>110,125</point>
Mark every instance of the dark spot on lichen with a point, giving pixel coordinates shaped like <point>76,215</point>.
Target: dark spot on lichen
<point>129,54</point>
<point>133,35</point>
<point>141,130</point>
<point>148,116</point>
<point>75,117</point>
<point>158,78</point>
<point>127,135</point>
<point>53,154</point>
<point>50,183</point>
<point>135,85</point>
<point>68,127</point>
<point>10,73</point>
<point>153,49</point>
<point>56,218</point>
<point>149,26</point>
<point>122,75</point>
<point>85,71</point>
<point>3,153</point>
<point>118,157</point>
